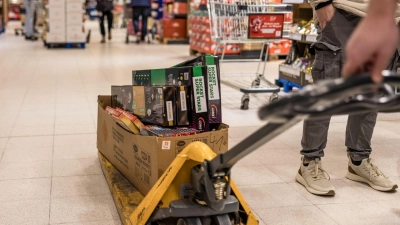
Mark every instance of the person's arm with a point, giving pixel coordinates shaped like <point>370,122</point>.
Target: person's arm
<point>374,41</point>
<point>324,11</point>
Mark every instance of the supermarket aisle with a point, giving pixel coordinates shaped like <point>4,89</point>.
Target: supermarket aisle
<point>49,171</point>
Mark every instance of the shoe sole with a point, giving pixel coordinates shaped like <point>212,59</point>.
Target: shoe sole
<point>355,177</point>
<point>301,180</point>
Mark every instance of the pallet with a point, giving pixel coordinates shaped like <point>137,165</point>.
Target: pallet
<point>276,57</point>
<point>177,41</point>
<point>65,45</point>
<point>287,85</point>
<point>126,196</point>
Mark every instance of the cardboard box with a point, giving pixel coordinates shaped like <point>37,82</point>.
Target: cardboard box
<point>55,38</point>
<point>155,104</point>
<point>74,18</point>
<point>122,97</point>
<point>174,28</point>
<point>76,38</point>
<point>163,77</point>
<point>143,159</point>
<point>74,7</point>
<point>57,14</point>
<point>213,84</point>
<point>57,27</point>
<point>56,3</point>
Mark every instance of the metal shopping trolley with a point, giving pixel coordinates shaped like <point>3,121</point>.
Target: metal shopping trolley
<point>240,22</point>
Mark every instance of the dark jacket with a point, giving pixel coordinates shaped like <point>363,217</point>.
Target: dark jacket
<point>143,3</point>
<point>104,5</point>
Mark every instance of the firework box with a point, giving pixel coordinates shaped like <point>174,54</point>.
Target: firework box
<point>162,77</point>
<point>155,105</point>
<point>143,159</point>
<point>213,84</point>
<point>122,97</point>
<point>199,112</point>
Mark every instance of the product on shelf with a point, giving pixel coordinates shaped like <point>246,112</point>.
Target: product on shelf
<point>293,54</point>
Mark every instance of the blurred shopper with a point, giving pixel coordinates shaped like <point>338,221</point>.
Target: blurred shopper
<point>104,8</point>
<point>140,8</point>
<point>336,20</point>
<point>29,20</point>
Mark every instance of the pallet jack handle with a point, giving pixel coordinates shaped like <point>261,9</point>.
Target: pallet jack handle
<point>331,97</point>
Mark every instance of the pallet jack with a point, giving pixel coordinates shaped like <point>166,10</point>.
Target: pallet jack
<point>213,198</point>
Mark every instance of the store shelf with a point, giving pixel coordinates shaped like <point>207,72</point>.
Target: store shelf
<point>308,39</point>
<point>294,75</point>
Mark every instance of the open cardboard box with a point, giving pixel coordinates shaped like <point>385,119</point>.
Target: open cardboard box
<point>143,159</point>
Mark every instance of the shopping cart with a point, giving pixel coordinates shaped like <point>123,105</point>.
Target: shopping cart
<point>240,22</point>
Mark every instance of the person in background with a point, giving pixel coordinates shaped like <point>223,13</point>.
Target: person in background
<point>140,8</point>
<point>336,20</point>
<point>29,25</point>
<point>104,8</point>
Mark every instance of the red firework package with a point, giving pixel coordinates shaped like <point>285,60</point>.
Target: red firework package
<point>266,26</point>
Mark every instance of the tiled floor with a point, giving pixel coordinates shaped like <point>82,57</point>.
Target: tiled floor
<point>49,171</point>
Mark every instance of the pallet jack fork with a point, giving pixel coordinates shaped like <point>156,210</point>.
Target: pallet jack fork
<point>213,198</point>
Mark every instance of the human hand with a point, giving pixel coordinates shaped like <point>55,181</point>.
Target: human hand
<point>371,46</point>
<point>325,14</point>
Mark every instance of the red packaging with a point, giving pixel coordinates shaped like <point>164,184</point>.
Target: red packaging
<point>175,28</point>
<point>180,8</point>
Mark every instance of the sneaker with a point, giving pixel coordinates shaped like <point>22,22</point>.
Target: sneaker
<point>314,178</point>
<point>369,173</point>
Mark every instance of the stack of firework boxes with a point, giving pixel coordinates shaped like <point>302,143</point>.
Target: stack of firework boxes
<point>188,94</point>
<point>181,99</point>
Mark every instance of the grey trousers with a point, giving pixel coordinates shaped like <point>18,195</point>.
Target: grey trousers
<point>330,56</point>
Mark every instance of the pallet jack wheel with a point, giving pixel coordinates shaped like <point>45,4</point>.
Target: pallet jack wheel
<point>222,220</point>
<point>189,221</point>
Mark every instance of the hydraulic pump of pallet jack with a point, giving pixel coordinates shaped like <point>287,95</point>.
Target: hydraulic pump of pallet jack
<point>211,179</point>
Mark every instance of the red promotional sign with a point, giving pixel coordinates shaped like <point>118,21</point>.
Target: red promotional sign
<point>266,26</point>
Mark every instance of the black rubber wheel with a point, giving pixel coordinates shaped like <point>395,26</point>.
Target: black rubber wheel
<point>245,104</point>
<point>222,220</point>
<point>189,221</point>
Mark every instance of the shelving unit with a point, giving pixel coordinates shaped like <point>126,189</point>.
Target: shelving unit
<point>175,22</point>
<point>290,76</point>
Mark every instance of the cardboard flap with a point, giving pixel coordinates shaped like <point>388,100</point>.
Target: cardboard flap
<point>104,100</point>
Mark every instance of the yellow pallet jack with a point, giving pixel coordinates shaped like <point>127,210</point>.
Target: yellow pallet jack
<point>214,198</point>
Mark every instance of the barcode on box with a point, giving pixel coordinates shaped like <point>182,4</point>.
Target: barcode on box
<point>278,33</point>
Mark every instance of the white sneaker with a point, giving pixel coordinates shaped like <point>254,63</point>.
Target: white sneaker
<point>369,173</point>
<point>314,178</point>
